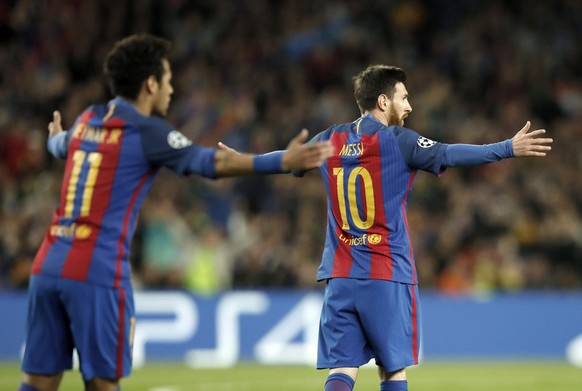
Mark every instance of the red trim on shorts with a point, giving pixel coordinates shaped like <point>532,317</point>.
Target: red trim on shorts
<point>414,324</point>
<point>121,334</point>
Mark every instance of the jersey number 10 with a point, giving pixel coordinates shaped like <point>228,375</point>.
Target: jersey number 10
<point>368,191</point>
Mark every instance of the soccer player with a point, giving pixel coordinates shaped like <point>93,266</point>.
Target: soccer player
<point>80,294</point>
<point>371,307</point>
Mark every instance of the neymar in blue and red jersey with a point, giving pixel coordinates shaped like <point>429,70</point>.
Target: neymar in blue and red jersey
<point>113,155</point>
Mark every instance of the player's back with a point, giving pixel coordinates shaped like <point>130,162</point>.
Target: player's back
<point>106,179</point>
<point>368,183</point>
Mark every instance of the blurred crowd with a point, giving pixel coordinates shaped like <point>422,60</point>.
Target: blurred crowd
<point>252,73</point>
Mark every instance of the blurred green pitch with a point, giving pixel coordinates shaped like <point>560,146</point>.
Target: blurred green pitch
<point>454,376</point>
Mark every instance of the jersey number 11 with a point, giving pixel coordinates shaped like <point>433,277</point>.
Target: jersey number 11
<point>94,160</point>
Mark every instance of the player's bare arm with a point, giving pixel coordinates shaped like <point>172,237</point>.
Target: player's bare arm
<point>532,143</point>
<point>298,156</point>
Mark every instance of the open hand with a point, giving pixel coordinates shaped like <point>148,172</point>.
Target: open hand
<point>55,127</point>
<point>530,144</point>
<point>300,156</point>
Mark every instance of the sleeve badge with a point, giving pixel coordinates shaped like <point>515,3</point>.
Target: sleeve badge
<point>177,140</point>
<point>424,142</point>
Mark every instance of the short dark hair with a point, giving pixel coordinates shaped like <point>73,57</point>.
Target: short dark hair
<point>374,81</point>
<point>132,60</point>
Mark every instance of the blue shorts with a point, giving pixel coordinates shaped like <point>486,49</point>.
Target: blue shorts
<point>365,319</point>
<point>96,320</point>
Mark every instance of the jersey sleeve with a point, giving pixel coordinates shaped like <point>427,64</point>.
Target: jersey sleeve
<point>420,152</point>
<point>58,144</point>
<point>470,155</point>
<point>165,146</point>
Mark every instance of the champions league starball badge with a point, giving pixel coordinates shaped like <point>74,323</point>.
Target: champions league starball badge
<point>424,142</point>
<point>177,140</point>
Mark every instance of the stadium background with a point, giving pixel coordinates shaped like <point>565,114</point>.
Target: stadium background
<point>251,73</point>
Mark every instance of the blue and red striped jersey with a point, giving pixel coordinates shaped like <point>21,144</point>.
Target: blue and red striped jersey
<point>368,182</point>
<point>113,154</point>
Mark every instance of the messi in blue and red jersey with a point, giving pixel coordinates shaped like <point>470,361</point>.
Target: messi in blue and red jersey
<point>369,181</point>
<point>80,293</point>
<point>371,307</point>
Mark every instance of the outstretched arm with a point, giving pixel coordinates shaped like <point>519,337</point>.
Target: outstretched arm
<point>297,156</point>
<point>522,144</point>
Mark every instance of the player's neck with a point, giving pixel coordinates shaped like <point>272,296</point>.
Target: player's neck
<point>143,104</point>
<point>379,115</point>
